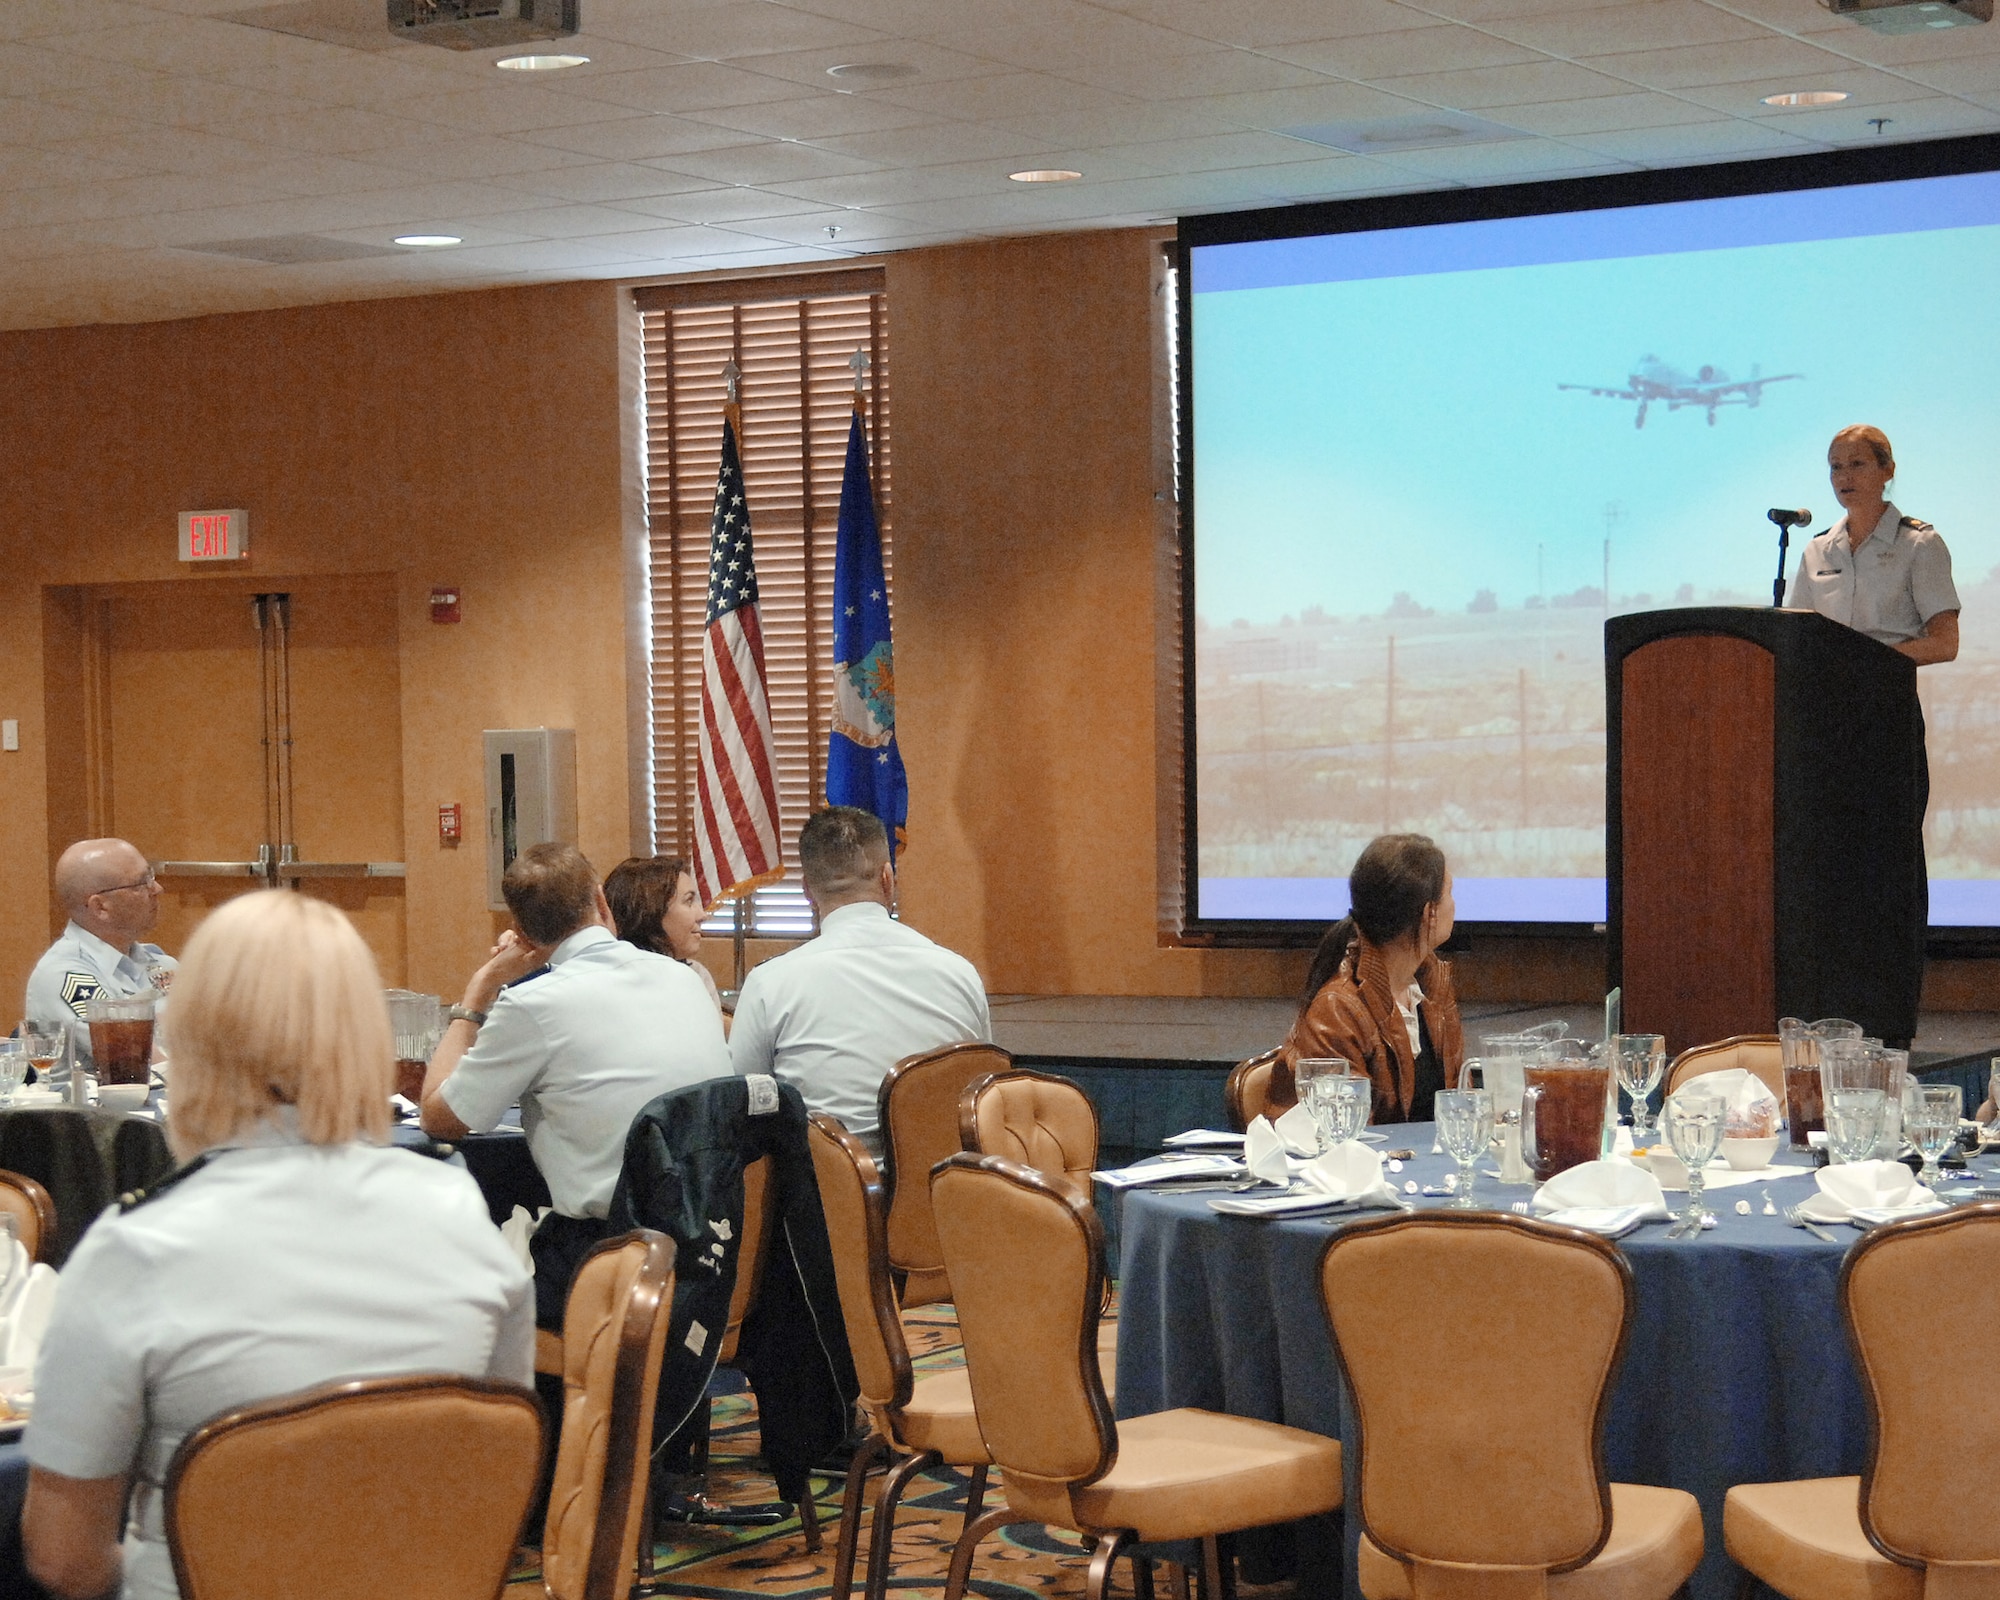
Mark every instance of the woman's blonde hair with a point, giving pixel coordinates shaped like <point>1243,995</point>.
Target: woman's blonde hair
<point>277,1002</point>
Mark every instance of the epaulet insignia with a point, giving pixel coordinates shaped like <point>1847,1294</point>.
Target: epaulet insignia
<point>1919,524</point>
<point>134,1198</point>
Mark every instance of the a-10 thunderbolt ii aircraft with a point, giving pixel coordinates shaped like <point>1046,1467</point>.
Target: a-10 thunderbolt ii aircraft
<point>1653,382</point>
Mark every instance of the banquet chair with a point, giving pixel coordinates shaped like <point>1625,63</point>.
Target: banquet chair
<point>1025,1256</point>
<point>1512,1361</point>
<point>1247,1091</point>
<point>1757,1052</point>
<point>916,1423</point>
<point>308,1488</point>
<point>1918,1524</point>
<point>614,1332</point>
<point>919,1121</point>
<point>34,1213</point>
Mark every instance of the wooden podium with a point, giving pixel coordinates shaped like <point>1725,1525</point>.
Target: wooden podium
<point>1762,824</point>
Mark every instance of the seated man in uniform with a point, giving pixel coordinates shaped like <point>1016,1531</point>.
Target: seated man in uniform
<point>109,891</point>
<point>608,1028</point>
<point>833,1015</point>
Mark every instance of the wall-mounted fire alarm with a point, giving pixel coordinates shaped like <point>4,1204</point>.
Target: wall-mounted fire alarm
<point>444,603</point>
<point>450,826</point>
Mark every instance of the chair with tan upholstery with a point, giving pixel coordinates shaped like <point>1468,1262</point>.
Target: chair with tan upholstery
<point>1037,1119</point>
<point>1757,1052</point>
<point>1512,1360</point>
<point>1919,1524</point>
<point>614,1335</point>
<point>919,1123</point>
<point>916,1423</point>
<point>34,1213</point>
<point>1247,1091</point>
<point>1025,1254</point>
<point>309,1486</point>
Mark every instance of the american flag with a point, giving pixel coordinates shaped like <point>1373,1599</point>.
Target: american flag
<point>736,788</point>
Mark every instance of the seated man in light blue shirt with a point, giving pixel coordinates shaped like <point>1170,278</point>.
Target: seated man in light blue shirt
<point>113,900</point>
<point>583,1048</point>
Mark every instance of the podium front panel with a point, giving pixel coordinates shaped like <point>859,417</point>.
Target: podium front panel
<point>1698,803</point>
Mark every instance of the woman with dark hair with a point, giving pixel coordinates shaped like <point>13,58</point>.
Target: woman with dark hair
<point>1377,995</point>
<point>654,903</point>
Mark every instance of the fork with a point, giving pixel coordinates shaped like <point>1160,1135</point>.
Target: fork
<point>1791,1215</point>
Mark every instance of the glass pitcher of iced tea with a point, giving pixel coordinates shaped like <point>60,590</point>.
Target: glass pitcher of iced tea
<point>1562,1109</point>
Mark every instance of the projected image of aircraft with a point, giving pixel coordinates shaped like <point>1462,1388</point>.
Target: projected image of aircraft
<point>1653,382</point>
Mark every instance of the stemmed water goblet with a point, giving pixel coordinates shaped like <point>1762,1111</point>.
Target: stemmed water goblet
<point>1694,1121</point>
<point>1641,1059</point>
<point>1347,1100</point>
<point>1931,1121</point>
<point>1313,1074</point>
<point>1465,1128</point>
<point>13,1067</point>
<point>1853,1122</point>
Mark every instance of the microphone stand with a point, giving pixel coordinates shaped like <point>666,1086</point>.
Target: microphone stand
<point>1778,586</point>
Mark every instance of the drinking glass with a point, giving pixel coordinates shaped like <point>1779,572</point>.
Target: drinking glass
<point>1465,1128</point>
<point>1932,1124</point>
<point>1798,1046</point>
<point>13,1068</point>
<point>1853,1122</point>
<point>121,1036</point>
<point>1311,1074</point>
<point>1694,1122</point>
<point>1347,1101</point>
<point>1641,1059</point>
<point>43,1048</point>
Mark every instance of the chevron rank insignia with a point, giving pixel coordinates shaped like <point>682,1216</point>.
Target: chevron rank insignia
<point>79,987</point>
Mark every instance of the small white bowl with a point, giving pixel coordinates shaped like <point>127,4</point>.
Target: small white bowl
<point>1667,1167</point>
<point>122,1096</point>
<point>1750,1155</point>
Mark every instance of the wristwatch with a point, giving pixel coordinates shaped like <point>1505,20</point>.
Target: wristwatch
<point>463,1014</point>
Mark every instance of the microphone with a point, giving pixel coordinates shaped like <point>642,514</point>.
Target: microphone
<point>1789,519</point>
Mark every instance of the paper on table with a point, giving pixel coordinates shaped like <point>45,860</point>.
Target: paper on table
<point>1203,1139</point>
<point>1614,1222</point>
<point>1596,1185</point>
<point>1883,1188</point>
<point>1290,1203</point>
<point>1171,1169</point>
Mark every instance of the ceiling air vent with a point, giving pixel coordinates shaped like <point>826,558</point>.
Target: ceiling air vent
<point>482,24</point>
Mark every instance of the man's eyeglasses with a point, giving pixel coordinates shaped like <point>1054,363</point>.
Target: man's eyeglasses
<point>146,882</point>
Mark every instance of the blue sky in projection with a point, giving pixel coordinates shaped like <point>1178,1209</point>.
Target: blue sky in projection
<point>1363,437</point>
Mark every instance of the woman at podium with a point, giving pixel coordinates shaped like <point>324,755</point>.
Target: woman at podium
<point>1876,570</point>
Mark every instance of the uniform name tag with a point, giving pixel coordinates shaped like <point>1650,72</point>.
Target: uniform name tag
<point>763,1094</point>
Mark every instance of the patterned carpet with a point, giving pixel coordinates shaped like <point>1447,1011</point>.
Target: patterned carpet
<point>1021,1563</point>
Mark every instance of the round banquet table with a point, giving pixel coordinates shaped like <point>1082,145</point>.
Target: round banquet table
<point>1736,1371</point>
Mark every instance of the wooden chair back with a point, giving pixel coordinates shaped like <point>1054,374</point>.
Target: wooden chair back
<point>1035,1119</point>
<point>34,1213</point>
<point>919,1122</point>
<point>1757,1052</point>
<point>1247,1092</point>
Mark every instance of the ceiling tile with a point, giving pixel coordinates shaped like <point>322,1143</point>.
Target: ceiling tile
<point>1134,122</point>
<point>1605,113</point>
<point>698,86</point>
<point>29,70</point>
<point>1262,24</point>
<point>903,189</point>
<point>1333,178</point>
<point>545,255</point>
<point>1299,108</point>
<point>603,182</point>
<point>765,164</point>
<point>637,138</point>
<point>170,150</point>
<point>26,121</point>
<point>1694,142</point>
<point>735,203</point>
<point>444,157</point>
<point>932,63</point>
<point>937,142</point>
<point>1445,48</point>
<point>558,222</point>
<point>903,18</point>
<point>858,229</point>
<point>330,131</point>
<point>1862,87</point>
<point>1701,65</point>
<point>308,175</point>
<point>1217,153</point>
<point>818,116</point>
<point>1897,49</point>
<point>1905,119</point>
<point>1180,77</point>
<point>1510,161</point>
<point>1610,30</point>
<point>722,33</point>
<point>28,19</point>
<point>1014,94</point>
<point>1977,75</point>
<point>1483,12</point>
<point>507,108</point>
<point>754,259</point>
<point>1477,88</point>
<point>178,102</point>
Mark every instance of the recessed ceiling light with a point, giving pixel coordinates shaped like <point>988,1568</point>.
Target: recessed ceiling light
<point>540,63</point>
<point>1045,175</point>
<point>871,71</point>
<point>1807,97</point>
<point>427,241</point>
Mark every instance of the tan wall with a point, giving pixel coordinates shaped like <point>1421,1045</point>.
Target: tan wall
<point>473,439</point>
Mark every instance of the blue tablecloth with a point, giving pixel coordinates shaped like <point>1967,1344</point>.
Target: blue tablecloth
<point>1737,1369</point>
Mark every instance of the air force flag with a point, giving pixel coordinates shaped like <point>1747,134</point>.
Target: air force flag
<point>864,767</point>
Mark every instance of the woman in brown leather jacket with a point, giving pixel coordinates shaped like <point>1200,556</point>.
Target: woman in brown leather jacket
<point>1377,994</point>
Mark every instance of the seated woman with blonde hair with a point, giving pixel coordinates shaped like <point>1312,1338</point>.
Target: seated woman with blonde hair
<point>292,1249</point>
<point>1377,995</point>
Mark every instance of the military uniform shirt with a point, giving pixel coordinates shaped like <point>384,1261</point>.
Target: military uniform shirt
<point>277,1266</point>
<point>833,1015</point>
<point>1888,589</point>
<point>584,1048</point>
<point>79,965</point>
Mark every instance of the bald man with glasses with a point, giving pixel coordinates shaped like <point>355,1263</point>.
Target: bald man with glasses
<point>109,891</point>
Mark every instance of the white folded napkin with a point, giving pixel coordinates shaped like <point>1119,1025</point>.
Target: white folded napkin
<point>1264,1152</point>
<point>1297,1129</point>
<point>1350,1172</point>
<point>518,1229</point>
<point>1875,1186</point>
<point>1598,1185</point>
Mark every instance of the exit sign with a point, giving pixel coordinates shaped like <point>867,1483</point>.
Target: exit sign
<point>215,535</point>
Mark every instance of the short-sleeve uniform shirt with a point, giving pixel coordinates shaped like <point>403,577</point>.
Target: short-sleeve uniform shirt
<point>832,1016</point>
<point>276,1266</point>
<point>1888,589</point>
<point>608,1028</point>
<point>79,965</point>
